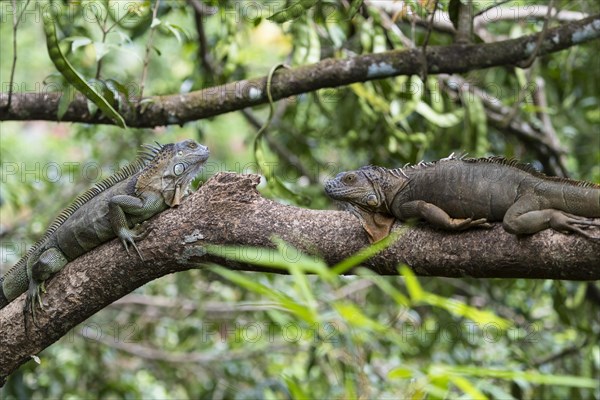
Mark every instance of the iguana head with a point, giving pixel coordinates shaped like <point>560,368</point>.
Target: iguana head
<point>364,188</point>
<point>363,193</point>
<point>171,168</point>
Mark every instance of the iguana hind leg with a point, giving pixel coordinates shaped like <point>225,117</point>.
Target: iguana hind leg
<point>47,264</point>
<point>520,221</point>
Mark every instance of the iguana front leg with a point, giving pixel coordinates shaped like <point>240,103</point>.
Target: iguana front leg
<point>47,264</point>
<point>120,206</point>
<point>437,217</point>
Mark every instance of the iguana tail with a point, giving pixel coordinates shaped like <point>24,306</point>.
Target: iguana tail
<point>3,300</point>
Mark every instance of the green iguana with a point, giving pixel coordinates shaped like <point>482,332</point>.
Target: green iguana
<point>114,207</point>
<point>456,194</point>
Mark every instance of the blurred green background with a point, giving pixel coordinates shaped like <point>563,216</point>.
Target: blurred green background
<point>219,335</point>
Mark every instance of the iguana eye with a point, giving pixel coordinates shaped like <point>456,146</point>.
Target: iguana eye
<point>192,145</point>
<point>349,178</point>
<point>178,169</point>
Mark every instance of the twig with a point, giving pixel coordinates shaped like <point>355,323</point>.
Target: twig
<point>16,22</point>
<point>148,48</point>
<point>187,305</point>
<point>498,4</point>
<point>389,25</point>
<point>202,9</point>
<point>102,26</point>
<point>280,150</point>
<point>151,353</point>
<point>105,32</point>
<point>550,152</point>
<point>523,92</point>
<point>426,42</point>
<point>541,38</point>
<point>539,98</point>
<point>561,354</point>
<point>200,12</point>
<point>352,288</point>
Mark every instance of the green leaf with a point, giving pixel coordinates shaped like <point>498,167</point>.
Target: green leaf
<point>529,376</point>
<point>78,41</point>
<point>71,75</point>
<point>101,49</point>
<point>485,319</point>
<point>413,286</point>
<point>366,253</point>
<point>385,285</point>
<point>355,317</point>
<point>365,91</point>
<point>68,94</point>
<point>293,11</point>
<point>175,30</point>
<point>354,7</point>
<point>400,373</point>
<point>270,258</point>
<point>446,120</point>
<point>467,387</point>
<point>285,301</point>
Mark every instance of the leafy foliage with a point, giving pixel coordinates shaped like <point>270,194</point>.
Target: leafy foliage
<point>224,334</point>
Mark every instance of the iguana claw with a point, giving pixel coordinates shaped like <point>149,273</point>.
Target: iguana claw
<point>566,222</point>
<point>33,296</point>
<point>131,242</point>
<point>129,236</point>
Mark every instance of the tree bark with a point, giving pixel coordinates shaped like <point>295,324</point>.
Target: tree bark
<point>228,210</point>
<point>182,108</point>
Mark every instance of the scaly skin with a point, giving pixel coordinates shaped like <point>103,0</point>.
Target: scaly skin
<point>457,194</point>
<point>115,207</point>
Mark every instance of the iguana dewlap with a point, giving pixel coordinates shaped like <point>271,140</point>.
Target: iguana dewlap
<point>457,194</point>
<point>114,207</point>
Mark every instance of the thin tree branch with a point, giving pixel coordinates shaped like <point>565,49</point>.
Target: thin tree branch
<point>442,22</point>
<point>464,28</point>
<point>228,210</point>
<point>550,152</point>
<point>424,67</point>
<point>182,108</point>
<point>202,359</point>
<point>16,21</point>
<point>148,48</point>
<point>539,98</point>
<point>210,309</point>
<point>541,37</point>
<point>200,12</point>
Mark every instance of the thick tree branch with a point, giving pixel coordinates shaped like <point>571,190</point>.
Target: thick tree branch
<point>228,210</point>
<point>181,108</point>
